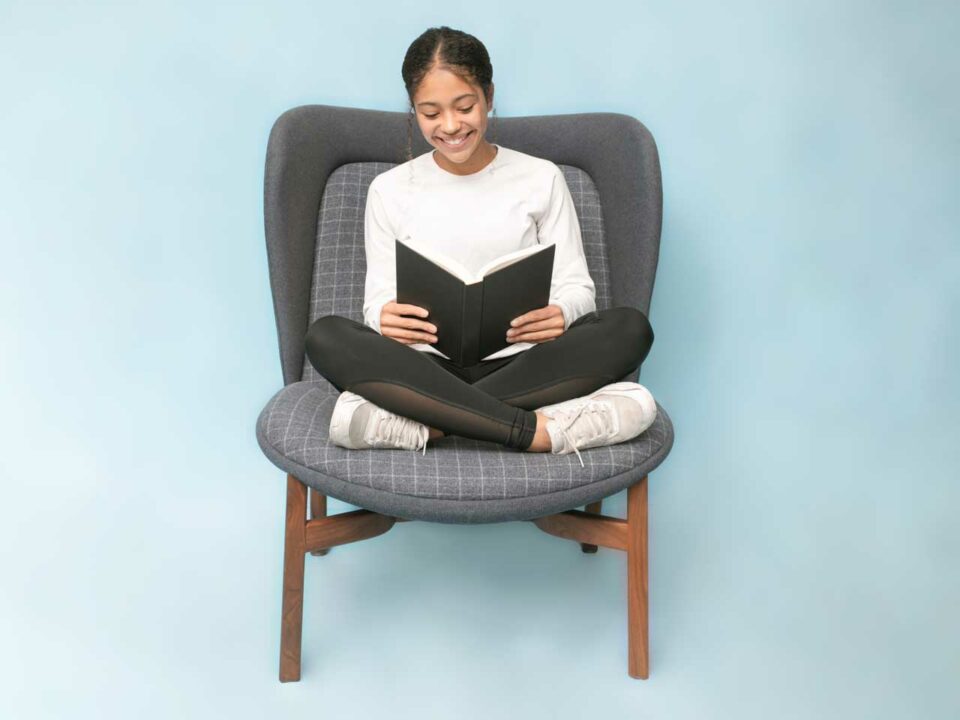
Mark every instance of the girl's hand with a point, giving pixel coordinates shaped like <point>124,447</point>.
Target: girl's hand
<point>407,330</point>
<point>537,326</point>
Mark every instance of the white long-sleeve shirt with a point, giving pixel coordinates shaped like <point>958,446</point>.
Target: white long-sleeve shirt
<point>517,200</point>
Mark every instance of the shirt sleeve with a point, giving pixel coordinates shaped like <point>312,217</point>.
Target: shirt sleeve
<point>571,288</point>
<point>379,239</point>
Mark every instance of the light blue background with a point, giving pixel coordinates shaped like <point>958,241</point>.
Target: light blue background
<point>804,536</point>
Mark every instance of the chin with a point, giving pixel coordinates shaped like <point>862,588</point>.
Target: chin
<point>457,155</point>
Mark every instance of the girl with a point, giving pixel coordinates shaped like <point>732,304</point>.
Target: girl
<point>554,387</point>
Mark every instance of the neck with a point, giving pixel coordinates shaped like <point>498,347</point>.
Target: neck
<point>482,156</point>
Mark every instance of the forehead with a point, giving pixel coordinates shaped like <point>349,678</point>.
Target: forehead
<point>443,87</point>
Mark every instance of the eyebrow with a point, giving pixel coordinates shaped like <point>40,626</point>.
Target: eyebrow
<point>456,99</point>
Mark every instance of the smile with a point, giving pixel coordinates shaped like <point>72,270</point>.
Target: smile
<point>459,141</point>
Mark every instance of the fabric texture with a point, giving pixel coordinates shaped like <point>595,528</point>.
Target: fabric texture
<point>459,480</point>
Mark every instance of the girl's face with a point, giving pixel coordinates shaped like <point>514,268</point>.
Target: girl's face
<point>450,109</point>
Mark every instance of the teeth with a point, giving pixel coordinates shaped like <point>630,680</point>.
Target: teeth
<point>459,142</point>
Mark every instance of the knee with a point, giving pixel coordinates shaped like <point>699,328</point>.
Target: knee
<point>637,332</point>
<point>324,336</point>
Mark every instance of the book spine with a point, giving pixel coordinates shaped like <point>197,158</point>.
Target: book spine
<point>472,309</point>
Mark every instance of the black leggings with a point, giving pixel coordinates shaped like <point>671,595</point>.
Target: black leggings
<point>493,400</point>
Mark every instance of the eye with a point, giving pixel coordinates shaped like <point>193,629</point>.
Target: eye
<point>463,110</point>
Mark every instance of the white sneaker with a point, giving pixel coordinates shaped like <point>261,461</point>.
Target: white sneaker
<point>357,424</point>
<point>614,413</point>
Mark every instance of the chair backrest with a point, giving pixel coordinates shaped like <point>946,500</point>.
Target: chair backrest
<point>321,160</point>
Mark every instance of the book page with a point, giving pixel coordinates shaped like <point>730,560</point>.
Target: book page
<point>509,350</point>
<point>509,259</point>
<point>447,263</point>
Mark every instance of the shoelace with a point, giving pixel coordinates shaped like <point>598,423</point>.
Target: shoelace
<point>600,417</point>
<point>395,430</point>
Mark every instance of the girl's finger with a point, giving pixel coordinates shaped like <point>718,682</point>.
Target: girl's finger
<point>535,336</point>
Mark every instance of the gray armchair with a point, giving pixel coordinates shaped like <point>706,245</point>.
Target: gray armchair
<point>320,162</point>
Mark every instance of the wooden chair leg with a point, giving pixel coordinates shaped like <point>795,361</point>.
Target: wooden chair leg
<point>295,549</point>
<point>318,509</point>
<point>294,555</point>
<point>592,508</point>
<point>638,653</point>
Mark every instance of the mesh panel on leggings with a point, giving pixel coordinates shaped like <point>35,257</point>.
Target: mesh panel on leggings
<point>450,419</point>
<point>340,264</point>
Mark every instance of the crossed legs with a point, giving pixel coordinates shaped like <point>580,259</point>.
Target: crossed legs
<point>597,349</point>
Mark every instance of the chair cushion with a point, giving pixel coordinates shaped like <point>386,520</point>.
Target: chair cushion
<point>458,480</point>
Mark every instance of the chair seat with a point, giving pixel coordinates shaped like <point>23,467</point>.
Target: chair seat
<point>458,480</point>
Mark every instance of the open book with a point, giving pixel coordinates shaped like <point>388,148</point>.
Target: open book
<point>472,311</point>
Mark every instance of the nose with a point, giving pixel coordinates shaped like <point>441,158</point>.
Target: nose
<point>450,124</point>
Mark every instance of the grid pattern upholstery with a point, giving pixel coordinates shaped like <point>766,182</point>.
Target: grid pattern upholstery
<point>296,422</point>
<point>339,267</point>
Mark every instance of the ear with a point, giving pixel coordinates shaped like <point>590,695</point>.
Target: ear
<point>490,97</point>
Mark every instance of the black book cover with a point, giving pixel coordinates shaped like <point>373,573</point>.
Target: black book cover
<point>472,319</point>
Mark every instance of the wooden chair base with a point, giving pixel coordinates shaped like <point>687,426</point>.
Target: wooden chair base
<point>591,529</point>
